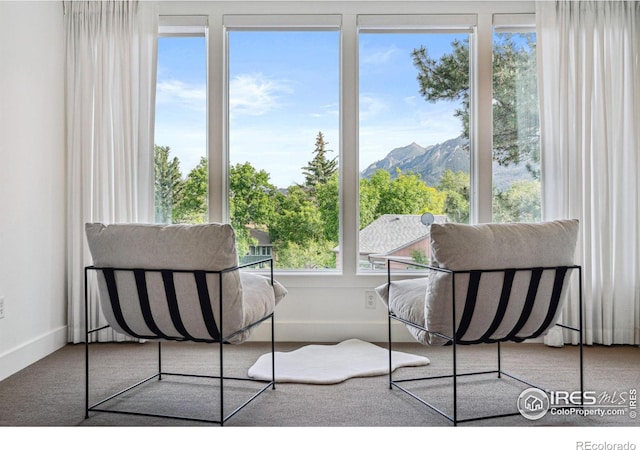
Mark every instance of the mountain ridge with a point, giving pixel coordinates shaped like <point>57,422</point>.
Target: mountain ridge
<point>432,161</point>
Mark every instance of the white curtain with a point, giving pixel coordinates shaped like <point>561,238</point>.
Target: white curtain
<point>588,57</point>
<point>110,96</point>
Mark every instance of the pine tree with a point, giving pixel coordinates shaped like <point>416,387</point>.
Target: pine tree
<point>320,168</point>
<point>515,100</point>
<point>168,184</point>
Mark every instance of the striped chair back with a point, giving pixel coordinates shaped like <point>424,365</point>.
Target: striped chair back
<point>508,281</point>
<point>173,282</point>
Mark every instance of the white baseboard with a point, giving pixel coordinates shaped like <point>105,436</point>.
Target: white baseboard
<point>331,332</point>
<point>337,332</point>
<point>16,359</point>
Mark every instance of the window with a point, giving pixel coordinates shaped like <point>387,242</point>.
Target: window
<point>414,155</point>
<point>180,157</point>
<point>284,103</point>
<point>516,126</point>
<point>307,125</point>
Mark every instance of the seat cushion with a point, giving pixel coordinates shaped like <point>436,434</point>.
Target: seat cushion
<point>260,300</point>
<point>407,302</point>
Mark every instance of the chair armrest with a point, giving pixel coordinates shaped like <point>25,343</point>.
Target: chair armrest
<point>255,263</point>
<point>415,264</point>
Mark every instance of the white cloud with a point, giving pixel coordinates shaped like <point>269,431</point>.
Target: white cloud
<point>379,56</point>
<point>255,95</point>
<point>440,118</point>
<point>175,91</point>
<point>332,110</point>
<point>411,101</point>
<point>371,106</point>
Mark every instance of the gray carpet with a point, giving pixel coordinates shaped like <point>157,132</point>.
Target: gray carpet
<point>50,393</point>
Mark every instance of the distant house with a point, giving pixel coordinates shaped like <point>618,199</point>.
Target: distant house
<point>261,249</point>
<point>393,235</point>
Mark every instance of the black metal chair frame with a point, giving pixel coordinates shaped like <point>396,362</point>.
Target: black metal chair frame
<point>203,294</point>
<point>454,341</point>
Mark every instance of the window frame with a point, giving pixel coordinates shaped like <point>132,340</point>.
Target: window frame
<point>182,26</point>
<point>515,23</point>
<point>427,24</point>
<point>217,105</point>
<point>277,23</point>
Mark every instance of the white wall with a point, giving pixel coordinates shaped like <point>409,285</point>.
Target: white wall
<point>32,179</point>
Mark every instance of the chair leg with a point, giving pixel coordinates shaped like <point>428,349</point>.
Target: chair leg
<point>580,331</point>
<point>159,360</point>
<point>86,376</point>
<point>455,384</point>
<point>221,383</point>
<point>390,362</point>
<point>499,362</point>
<point>86,345</point>
<point>273,354</point>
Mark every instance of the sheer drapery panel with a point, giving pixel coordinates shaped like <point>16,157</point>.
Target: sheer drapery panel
<point>110,85</point>
<point>588,61</point>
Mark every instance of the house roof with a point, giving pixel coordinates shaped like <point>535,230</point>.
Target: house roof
<point>261,236</point>
<point>391,232</point>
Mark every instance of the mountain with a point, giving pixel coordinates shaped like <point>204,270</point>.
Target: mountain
<point>432,161</point>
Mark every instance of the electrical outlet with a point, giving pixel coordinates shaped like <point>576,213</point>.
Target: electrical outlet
<point>370,299</point>
<point>1,307</point>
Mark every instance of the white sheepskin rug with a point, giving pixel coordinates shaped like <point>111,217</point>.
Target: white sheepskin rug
<point>330,364</point>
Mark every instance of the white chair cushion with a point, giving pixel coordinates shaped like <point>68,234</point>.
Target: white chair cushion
<point>407,302</point>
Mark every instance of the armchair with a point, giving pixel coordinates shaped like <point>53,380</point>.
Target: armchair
<point>177,283</point>
<point>487,283</point>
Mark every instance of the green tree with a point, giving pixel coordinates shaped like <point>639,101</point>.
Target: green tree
<point>408,194</point>
<point>515,99</point>
<point>192,207</point>
<point>519,203</point>
<point>301,231</point>
<point>455,186</point>
<point>297,219</point>
<point>371,190</point>
<point>320,168</point>
<point>419,256</point>
<point>516,122</point>
<point>251,201</point>
<point>312,255</point>
<point>446,79</point>
<point>168,184</point>
<point>405,194</point>
<point>327,198</point>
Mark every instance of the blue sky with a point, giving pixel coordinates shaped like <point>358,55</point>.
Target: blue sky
<point>284,89</point>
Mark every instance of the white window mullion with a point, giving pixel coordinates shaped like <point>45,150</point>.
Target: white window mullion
<point>217,120</point>
<point>481,122</point>
<point>350,175</point>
